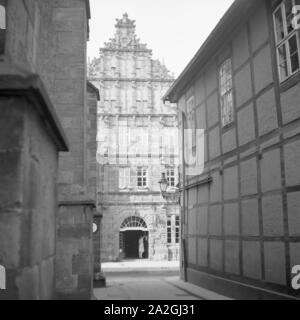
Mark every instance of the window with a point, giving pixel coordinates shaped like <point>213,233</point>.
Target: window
<point>287,40</point>
<point>161,147</point>
<point>139,68</point>
<point>133,223</point>
<point>142,177</point>
<point>145,93</point>
<point>177,229</point>
<point>169,230</point>
<point>142,144</point>
<point>170,175</point>
<point>226,100</point>
<point>172,148</point>
<point>113,93</point>
<point>2,26</point>
<point>124,178</point>
<point>114,64</point>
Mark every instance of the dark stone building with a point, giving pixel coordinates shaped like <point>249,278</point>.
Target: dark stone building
<point>46,202</point>
<point>239,98</point>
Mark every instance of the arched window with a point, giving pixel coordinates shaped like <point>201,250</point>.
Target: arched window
<point>2,278</point>
<point>2,25</point>
<point>134,223</point>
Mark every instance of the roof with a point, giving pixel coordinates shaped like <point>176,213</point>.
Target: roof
<point>32,87</point>
<point>235,14</point>
<point>88,9</point>
<point>94,88</point>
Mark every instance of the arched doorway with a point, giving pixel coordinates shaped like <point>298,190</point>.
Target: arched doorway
<point>131,231</point>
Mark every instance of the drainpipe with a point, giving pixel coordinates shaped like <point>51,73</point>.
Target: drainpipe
<point>183,211</point>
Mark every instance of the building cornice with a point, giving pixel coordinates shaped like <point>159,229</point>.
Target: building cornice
<point>131,79</point>
<point>126,50</point>
<point>94,88</point>
<point>75,203</point>
<point>131,193</point>
<point>137,204</point>
<point>135,115</point>
<point>31,87</point>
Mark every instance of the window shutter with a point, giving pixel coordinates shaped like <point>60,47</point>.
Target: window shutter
<point>122,183</point>
<point>139,95</point>
<point>127,178</point>
<point>145,144</point>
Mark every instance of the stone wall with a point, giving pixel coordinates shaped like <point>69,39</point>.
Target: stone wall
<point>70,28</point>
<point>247,220</point>
<point>29,145</point>
<point>92,104</point>
<point>76,185</point>
<point>74,268</point>
<point>30,44</point>
<point>91,138</point>
<point>48,38</point>
<point>29,150</point>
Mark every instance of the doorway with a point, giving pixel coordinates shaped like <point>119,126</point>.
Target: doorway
<point>130,246</point>
<point>131,231</point>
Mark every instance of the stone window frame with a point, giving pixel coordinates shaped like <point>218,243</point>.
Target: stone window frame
<point>225,75</point>
<point>285,40</point>
<point>3,27</point>
<point>133,222</point>
<point>177,229</point>
<point>142,178</point>
<point>170,176</point>
<point>124,178</point>
<point>169,229</point>
<point>142,141</point>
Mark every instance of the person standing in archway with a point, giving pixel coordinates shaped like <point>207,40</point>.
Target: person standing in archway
<point>146,246</point>
<point>141,247</point>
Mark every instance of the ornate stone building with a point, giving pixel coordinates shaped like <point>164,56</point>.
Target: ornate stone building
<point>136,144</point>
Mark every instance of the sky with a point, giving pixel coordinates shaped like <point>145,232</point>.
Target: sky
<point>173,29</point>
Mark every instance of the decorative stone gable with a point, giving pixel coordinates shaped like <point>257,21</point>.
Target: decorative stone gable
<point>125,37</point>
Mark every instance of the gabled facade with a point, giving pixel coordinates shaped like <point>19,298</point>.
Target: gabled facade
<point>136,143</point>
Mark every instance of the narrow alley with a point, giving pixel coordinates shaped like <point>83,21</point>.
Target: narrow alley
<point>148,281</point>
<point>150,151</point>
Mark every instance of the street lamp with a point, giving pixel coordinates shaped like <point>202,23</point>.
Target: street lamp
<point>170,194</point>
<point>163,183</point>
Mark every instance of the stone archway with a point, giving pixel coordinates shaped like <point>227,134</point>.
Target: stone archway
<point>131,230</point>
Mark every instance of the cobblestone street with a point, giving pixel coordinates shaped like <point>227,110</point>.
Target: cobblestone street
<point>146,280</point>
